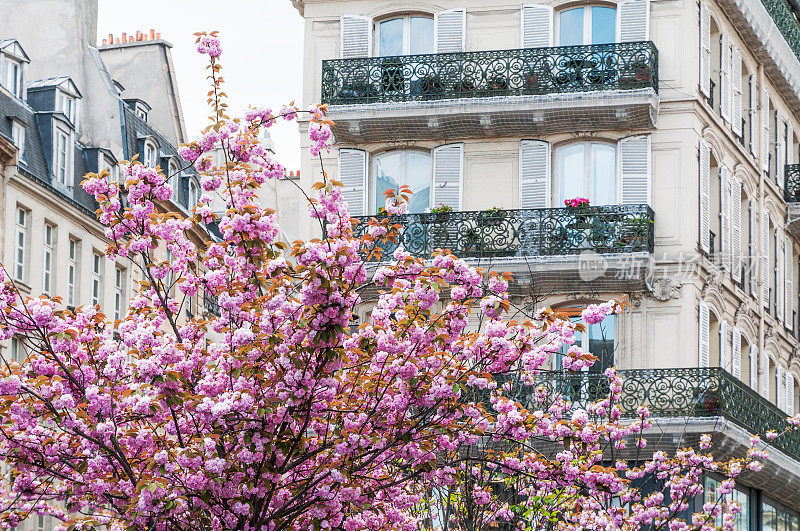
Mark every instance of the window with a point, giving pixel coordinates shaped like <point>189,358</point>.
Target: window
<point>396,168</point>
<point>61,159</point>
<point>111,166</point>
<point>97,277</point>
<point>141,113</point>
<point>586,169</point>
<point>741,521</point>
<point>776,518</point>
<point>194,194</point>
<point>21,242</point>
<point>40,523</point>
<point>47,259</point>
<point>408,35</point>
<point>14,77</point>
<point>17,351</point>
<point>119,292</point>
<point>172,176</point>
<point>66,104</point>
<point>72,273</point>
<point>18,138</point>
<point>598,340</point>
<point>586,25</point>
<point>150,155</point>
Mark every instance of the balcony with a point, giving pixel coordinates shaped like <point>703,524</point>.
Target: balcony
<point>561,247</point>
<point>791,193</point>
<point>499,93</point>
<point>684,392</point>
<point>210,303</point>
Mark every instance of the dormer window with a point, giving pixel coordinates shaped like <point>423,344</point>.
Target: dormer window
<point>62,159</point>
<point>141,113</point>
<point>194,194</point>
<point>14,77</point>
<point>172,176</point>
<point>66,104</point>
<point>150,154</point>
<point>18,137</point>
<point>107,164</point>
<point>12,64</point>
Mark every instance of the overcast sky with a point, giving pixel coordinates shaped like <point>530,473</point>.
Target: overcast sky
<point>262,53</point>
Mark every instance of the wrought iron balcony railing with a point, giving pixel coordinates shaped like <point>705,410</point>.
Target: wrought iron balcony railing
<point>786,22</point>
<point>210,303</point>
<point>791,191</point>
<point>618,66</point>
<point>684,392</point>
<point>521,233</point>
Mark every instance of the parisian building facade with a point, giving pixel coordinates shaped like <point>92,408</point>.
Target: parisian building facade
<point>678,121</point>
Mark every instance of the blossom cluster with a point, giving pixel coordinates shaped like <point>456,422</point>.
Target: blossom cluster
<point>576,202</point>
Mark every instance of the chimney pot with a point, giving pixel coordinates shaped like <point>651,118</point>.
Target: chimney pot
<point>117,41</point>
<point>124,37</point>
<point>104,42</point>
<point>152,34</point>
<point>158,35</point>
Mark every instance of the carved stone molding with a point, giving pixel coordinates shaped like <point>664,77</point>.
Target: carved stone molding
<point>665,289</point>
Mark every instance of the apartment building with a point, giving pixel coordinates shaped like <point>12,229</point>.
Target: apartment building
<point>678,121</point>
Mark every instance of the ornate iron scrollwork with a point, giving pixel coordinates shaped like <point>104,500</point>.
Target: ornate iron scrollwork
<point>791,191</point>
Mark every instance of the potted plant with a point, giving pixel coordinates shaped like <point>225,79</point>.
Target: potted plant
<point>431,85</point>
<point>440,213</point>
<point>532,83</point>
<point>464,87</point>
<point>635,231</point>
<point>358,90</point>
<point>496,85</point>
<point>492,216</point>
<point>580,209</point>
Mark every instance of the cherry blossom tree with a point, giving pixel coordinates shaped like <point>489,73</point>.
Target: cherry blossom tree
<point>279,413</point>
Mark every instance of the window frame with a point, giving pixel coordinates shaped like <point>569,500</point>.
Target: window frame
<point>48,252</point>
<point>120,284</point>
<point>571,313</point>
<point>14,81</point>
<point>150,154</point>
<point>73,254</point>
<point>97,278</point>
<point>406,18</point>
<point>18,130</point>
<point>373,204</point>
<point>586,39</point>
<point>588,177</point>
<point>61,159</point>
<point>21,224</point>
<point>67,105</point>
<point>192,194</point>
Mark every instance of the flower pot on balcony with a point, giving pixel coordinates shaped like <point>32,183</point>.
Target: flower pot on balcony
<point>436,217</point>
<point>464,88</point>
<point>706,402</point>
<point>533,84</point>
<point>496,86</point>
<point>492,218</point>
<point>431,86</point>
<point>354,92</point>
<point>637,75</point>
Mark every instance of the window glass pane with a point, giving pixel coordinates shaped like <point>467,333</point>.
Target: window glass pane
<point>418,178</point>
<point>570,27</point>
<point>421,38</point>
<point>601,343</point>
<point>387,175</point>
<point>390,37</point>
<point>604,25</point>
<point>769,518</point>
<point>604,174</point>
<point>569,173</point>
<point>742,520</point>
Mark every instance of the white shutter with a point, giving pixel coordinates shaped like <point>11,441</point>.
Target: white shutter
<point>634,170</point>
<point>356,36</point>
<point>725,216</point>
<point>704,326</point>
<point>789,393</point>
<point>633,20</point>
<point>448,169</point>
<point>779,247</point>
<point>752,251</point>
<point>736,228</point>
<point>705,50</point>
<point>765,258</point>
<point>764,375</point>
<point>725,77</point>
<point>754,367</point>
<point>780,148</point>
<point>736,83</point>
<point>449,30</point>
<point>705,196</point>
<point>764,129</point>
<point>753,114</point>
<point>788,281</point>
<point>780,378</point>
<point>537,26</point>
<point>534,174</point>
<point>789,145</point>
<point>736,353</point>
<point>724,346</point>
<point>353,176</point>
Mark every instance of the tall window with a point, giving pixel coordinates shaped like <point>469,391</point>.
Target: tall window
<point>410,35</point>
<point>14,77</point>
<point>587,25</point>
<point>40,523</point>
<point>172,176</point>
<point>597,340</point>
<point>194,194</point>
<point>119,292</point>
<point>17,352</point>
<point>396,168</point>
<point>67,105</point>
<point>18,138</point>
<point>61,166</point>
<point>97,277</point>
<point>586,169</point>
<point>72,273</point>
<point>47,258</point>
<point>21,242</point>
<point>150,155</point>
<point>741,521</point>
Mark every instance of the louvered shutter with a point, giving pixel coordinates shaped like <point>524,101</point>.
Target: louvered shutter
<point>765,130</point>
<point>736,83</point>
<point>754,367</point>
<point>736,353</point>
<point>724,346</point>
<point>789,146</point>
<point>448,169</point>
<point>353,176</point>
<point>779,254</point>
<point>788,281</point>
<point>764,376</point>
<point>634,170</point>
<point>704,326</point>
<point>633,20</point>
<point>725,77</point>
<point>752,253</point>
<point>537,26</point>
<point>780,148</point>
<point>780,382</point>
<point>705,50</point>
<point>765,258</point>
<point>534,174</point>
<point>449,30</point>
<point>789,393</point>
<point>736,228</point>
<point>753,115</point>
<point>356,36</point>
<point>725,216</point>
<point>705,196</point>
